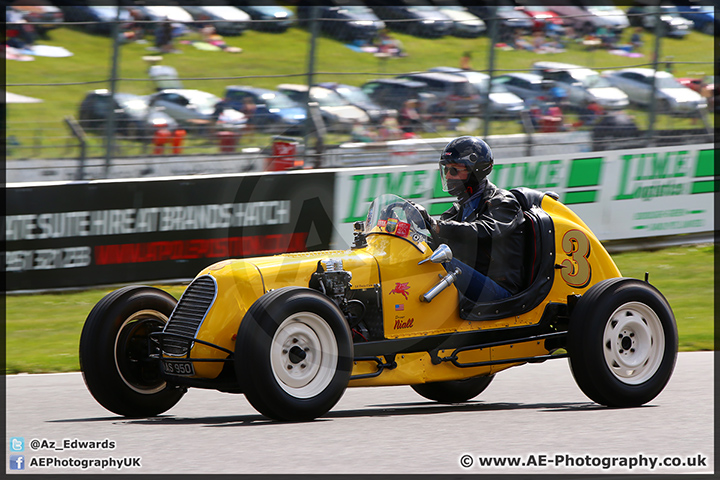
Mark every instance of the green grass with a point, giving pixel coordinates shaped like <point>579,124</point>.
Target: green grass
<point>270,59</point>
<point>685,276</point>
<point>43,330</point>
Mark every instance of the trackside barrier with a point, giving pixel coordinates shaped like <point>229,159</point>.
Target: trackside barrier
<point>80,234</point>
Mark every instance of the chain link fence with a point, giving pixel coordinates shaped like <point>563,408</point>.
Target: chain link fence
<point>411,122</point>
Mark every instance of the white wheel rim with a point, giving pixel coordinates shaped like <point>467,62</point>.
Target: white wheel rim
<point>634,343</point>
<point>132,318</point>
<point>304,355</point>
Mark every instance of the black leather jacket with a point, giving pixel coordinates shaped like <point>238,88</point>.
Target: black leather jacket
<point>490,239</point>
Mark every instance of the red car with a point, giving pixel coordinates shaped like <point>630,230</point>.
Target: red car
<point>540,16</point>
<point>695,84</point>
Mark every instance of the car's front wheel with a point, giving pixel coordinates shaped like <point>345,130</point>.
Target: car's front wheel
<point>294,354</point>
<point>114,352</point>
<point>622,342</point>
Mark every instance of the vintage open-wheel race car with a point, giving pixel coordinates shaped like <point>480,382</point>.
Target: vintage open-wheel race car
<point>291,332</point>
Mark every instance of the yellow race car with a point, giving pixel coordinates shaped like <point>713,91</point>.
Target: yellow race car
<point>291,332</point>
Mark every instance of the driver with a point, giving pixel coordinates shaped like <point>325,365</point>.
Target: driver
<point>484,228</point>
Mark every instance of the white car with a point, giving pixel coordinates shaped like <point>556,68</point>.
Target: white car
<point>337,113</point>
<point>613,15</point>
<point>465,24</point>
<point>670,95</point>
<point>226,19</point>
<point>582,85</point>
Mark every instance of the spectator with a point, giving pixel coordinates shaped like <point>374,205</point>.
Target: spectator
<point>465,61</point>
<point>636,39</point>
<point>164,37</point>
<point>19,33</point>
<point>389,45</point>
<point>410,116</point>
<point>361,133</point>
<point>538,40</point>
<point>248,109</point>
<point>389,129</point>
<point>590,113</point>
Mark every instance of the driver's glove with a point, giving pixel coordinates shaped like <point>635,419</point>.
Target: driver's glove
<point>429,221</point>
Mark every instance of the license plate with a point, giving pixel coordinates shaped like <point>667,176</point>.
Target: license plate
<point>178,368</point>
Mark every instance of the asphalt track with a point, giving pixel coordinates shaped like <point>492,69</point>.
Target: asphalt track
<point>533,412</point>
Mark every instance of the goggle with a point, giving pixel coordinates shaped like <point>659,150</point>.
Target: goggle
<point>454,171</point>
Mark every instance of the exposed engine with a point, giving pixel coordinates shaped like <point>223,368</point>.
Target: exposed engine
<point>331,279</point>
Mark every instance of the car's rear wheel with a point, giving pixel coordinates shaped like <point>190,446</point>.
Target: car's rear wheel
<point>622,342</point>
<point>294,354</point>
<point>453,391</point>
<point>114,352</point>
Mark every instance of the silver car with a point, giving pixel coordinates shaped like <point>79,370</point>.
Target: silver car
<point>670,95</point>
<point>502,101</point>
<point>195,108</point>
<point>337,113</point>
<point>582,85</point>
<point>528,86</point>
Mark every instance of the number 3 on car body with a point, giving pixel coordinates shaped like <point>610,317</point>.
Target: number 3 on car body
<point>576,271</point>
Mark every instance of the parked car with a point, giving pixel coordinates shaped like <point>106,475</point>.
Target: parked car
<point>266,16</point>
<point>355,96</point>
<point>165,10</point>
<point>582,85</point>
<point>454,91</point>
<point>673,25</point>
<point>343,21</point>
<point>41,13</point>
<point>502,101</point>
<point>465,24</point>
<point>510,20</point>
<point>612,14</point>
<point>413,17</point>
<point>580,19</point>
<point>195,108</point>
<point>275,111</point>
<point>226,19</point>
<point>540,15</point>
<point>528,86</point>
<point>101,16</point>
<point>338,114</point>
<point>394,92</point>
<point>670,95</point>
<point>702,16</point>
<point>133,115</point>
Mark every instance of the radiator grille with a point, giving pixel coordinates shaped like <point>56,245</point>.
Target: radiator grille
<point>189,314</point>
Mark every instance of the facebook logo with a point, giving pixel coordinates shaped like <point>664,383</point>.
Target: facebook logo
<point>17,444</point>
<point>17,462</point>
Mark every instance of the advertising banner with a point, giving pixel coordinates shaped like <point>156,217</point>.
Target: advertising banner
<point>105,232</point>
<point>621,195</point>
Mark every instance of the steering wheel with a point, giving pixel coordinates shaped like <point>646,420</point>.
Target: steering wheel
<point>409,209</point>
<point>388,211</point>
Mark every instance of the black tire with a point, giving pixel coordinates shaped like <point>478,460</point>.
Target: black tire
<point>622,342</point>
<point>294,354</point>
<point>114,352</point>
<point>453,391</point>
